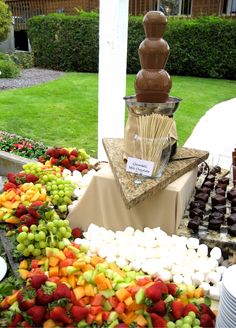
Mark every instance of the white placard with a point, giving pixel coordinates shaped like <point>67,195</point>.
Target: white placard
<point>139,166</point>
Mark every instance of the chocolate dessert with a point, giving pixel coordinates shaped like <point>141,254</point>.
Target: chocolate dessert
<point>194,224</point>
<point>197,203</point>
<point>196,212</point>
<point>219,208</point>
<point>209,184</point>
<point>233,210</point>
<point>221,186</point>
<point>203,190</point>
<point>218,200</point>
<point>216,216</point>
<point>220,191</point>
<point>224,180</point>
<point>231,194</point>
<point>231,219</point>
<point>233,202</point>
<point>232,230</point>
<point>214,224</point>
<point>202,196</point>
<point>210,177</point>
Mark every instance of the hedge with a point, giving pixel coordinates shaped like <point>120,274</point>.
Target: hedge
<point>199,47</point>
<point>5,21</point>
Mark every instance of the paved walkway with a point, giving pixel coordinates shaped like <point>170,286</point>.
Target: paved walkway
<point>216,133</point>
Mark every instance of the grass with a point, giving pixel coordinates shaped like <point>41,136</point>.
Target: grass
<point>64,112</point>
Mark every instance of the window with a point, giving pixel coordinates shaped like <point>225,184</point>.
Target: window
<point>229,7</point>
<point>186,7</point>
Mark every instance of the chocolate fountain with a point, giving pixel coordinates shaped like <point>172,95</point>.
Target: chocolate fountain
<point>152,83</point>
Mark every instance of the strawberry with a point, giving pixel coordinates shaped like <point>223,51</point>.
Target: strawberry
<point>82,166</point>
<point>25,324</point>
<point>58,314</point>
<point>177,309</point>
<point>49,152</point>
<point>154,292</point>
<point>72,159</point>
<point>56,153</point>
<point>74,152</point>
<point>9,185</point>
<point>158,321</point>
<point>63,152</point>
<point>77,232</point>
<point>65,162</point>
<point>42,159</point>
<point>21,210</point>
<point>44,295</point>
<point>54,161</point>
<point>190,307</point>
<point>31,178</point>
<point>62,291</point>
<point>26,298</point>
<point>16,319</point>
<point>78,313</point>
<point>72,168</point>
<point>28,220</point>
<point>158,308</point>
<point>33,209</point>
<point>162,285</point>
<point>11,177</point>
<point>206,321</point>
<point>37,314</point>
<point>172,288</point>
<point>205,309</point>
<point>38,279</point>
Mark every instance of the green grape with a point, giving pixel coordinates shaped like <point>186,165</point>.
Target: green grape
<point>186,325</point>
<point>26,252</point>
<point>37,237</point>
<point>30,236</point>
<point>25,229</point>
<point>33,227</point>
<point>42,244</point>
<point>49,188</point>
<point>188,320</point>
<point>68,235</point>
<point>56,197</point>
<point>54,187</point>
<point>50,226</point>
<point>26,242</point>
<point>63,231</point>
<point>60,223</point>
<point>170,324</point>
<point>22,236</point>
<point>61,245</point>
<point>66,222</point>
<point>196,322</point>
<point>30,248</point>
<point>192,314</point>
<point>61,193</point>
<point>61,186</point>
<point>178,323</point>
<point>42,235</point>
<point>20,247</point>
<point>36,252</point>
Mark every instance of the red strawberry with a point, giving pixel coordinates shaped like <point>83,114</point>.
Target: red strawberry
<point>78,313</point>
<point>205,309</point>
<point>44,295</point>
<point>158,321</point>
<point>37,314</point>
<point>82,167</point>
<point>72,159</point>
<point>206,321</point>
<point>158,308</point>
<point>190,307</point>
<point>26,298</point>
<point>33,209</point>
<point>162,285</point>
<point>74,152</point>
<point>65,162</point>
<point>11,177</point>
<point>49,152</point>
<point>61,291</point>
<point>77,232</point>
<point>28,220</point>
<point>58,314</point>
<point>31,178</point>
<point>72,168</point>
<point>63,152</point>
<point>154,292</point>
<point>9,185</point>
<point>21,210</point>
<point>16,319</point>
<point>42,159</point>
<point>54,161</point>
<point>177,309</point>
<point>25,324</point>
<point>172,288</point>
<point>38,279</point>
<point>56,153</point>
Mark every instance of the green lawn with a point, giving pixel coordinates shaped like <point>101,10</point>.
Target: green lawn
<point>64,112</point>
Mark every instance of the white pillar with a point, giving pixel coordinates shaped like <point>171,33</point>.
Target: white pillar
<point>113,36</point>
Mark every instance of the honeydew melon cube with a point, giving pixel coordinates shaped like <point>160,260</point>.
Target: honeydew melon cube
<point>107,293</point>
<point>112,317</point>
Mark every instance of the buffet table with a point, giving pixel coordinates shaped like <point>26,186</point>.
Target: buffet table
<point>102,204</point>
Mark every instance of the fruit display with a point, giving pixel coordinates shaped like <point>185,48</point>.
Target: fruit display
<point>69,158</point>
<point>70,288</point>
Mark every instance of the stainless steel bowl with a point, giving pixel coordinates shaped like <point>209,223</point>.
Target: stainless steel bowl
<point>140,108</point>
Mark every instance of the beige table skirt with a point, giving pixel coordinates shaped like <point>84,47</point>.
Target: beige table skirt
<point>103,205</point>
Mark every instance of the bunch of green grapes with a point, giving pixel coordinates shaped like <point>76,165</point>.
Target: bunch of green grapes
<point>60,191</point>
<point>82,156</point>
<point>33,168</point>
<point>34,240</point>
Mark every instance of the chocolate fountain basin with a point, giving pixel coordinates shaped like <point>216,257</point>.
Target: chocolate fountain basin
<point>143,108</point>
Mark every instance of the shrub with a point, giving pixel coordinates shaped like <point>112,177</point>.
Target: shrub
<point>5,21</point>
<point>8,69</point>
<point>199,47</point>
<point>23,59</point>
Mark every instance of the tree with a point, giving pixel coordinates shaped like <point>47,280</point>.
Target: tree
<point>5,21</point>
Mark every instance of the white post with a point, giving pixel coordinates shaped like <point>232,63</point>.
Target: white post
<point>113,36</point>
<point>158,5</point>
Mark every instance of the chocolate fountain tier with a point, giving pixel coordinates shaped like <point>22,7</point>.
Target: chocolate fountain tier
<point>143,108</point>
<point>154,24</point>
<point>153,53</point>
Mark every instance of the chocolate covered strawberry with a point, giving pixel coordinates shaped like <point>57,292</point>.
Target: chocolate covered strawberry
<point>206,321</point>
<point>37,314</point>
<point>205,309</point>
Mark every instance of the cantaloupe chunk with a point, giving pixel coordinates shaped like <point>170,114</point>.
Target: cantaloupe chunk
<point>141,321</point>
<point>24,273</point>
<point>130,317</point>
<point>99,319</point>
<point>89,290</point>
<point>128,301</point>
<point>13,220</point>
<point>72,280</point>
<point>49,324</point>
<point>122,294</point>
<point>101,281</point>
<point>53,261</point>
<point>79,292</point>
<point>95,260</point>
<point>53,271</point>
<point>23,264</point>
